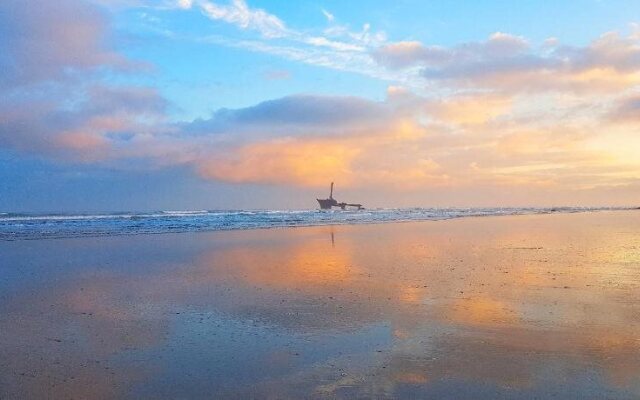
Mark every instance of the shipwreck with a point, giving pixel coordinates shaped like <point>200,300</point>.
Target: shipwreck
<point>328,204</point>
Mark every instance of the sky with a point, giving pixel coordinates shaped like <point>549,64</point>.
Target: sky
<point>113,105</point>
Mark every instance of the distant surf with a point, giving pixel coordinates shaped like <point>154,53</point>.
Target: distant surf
<point>16,226</point>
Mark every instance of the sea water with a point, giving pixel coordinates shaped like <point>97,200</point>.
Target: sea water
<point>15,226</point>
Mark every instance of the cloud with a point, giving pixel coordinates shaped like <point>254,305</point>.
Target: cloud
<point>56,102</point>
<point>503,116</point>
<point>43,41</point>
<point>330,17</point>
<point>626,109</point>
<point>283,161</point>
<point>99,119</point>
<point>337,47</point>
<point>307,140</point>
<point>298,110</point>
<point>357,161</point>
<point>406,54</point>
<point>397,152</point>
<point>502,63</point>
<point>239,14</point>
<point>328,55</point>
<point>510,63</point>
<point>470,110</point>
<point>185,4</point>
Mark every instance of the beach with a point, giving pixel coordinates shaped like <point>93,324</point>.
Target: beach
<point>542,306</point>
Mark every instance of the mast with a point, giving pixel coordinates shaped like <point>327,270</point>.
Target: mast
<point>331,194</point>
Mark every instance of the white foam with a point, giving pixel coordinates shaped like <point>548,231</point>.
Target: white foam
<point>16,226</point>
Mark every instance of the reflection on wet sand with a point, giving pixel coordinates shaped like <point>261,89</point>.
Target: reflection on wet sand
<point>512,307</point>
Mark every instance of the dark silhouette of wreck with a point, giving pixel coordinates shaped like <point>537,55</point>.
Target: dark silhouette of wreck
<point>327,204</point>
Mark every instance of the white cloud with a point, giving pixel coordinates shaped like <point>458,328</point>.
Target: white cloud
<point>338,48</point>
<point>239,14</point>
<point>330,17</point>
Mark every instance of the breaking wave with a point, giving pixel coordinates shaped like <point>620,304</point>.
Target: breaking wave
<point>16,226</point>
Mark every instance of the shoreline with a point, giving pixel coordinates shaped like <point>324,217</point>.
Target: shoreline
<point>321,224</point>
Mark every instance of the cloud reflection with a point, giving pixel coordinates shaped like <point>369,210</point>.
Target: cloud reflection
<point>490,305</point>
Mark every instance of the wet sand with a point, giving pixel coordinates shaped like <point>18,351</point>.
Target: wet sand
<point>524,307</point>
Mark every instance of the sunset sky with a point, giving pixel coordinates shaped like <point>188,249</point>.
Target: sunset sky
<point>194,104</point>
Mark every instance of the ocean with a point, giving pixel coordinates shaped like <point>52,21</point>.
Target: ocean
<point>18,226</point>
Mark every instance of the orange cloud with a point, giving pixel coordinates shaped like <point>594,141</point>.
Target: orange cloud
<point>471,110</point>
<point>390,155</point>
<point>310,163</point>
<point>82,141</point>
<point>465,143</point>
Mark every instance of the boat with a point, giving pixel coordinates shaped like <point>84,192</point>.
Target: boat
<point>328,204</point>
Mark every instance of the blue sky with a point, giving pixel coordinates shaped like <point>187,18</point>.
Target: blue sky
<point>200,78</point>
<point>134,104</point>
